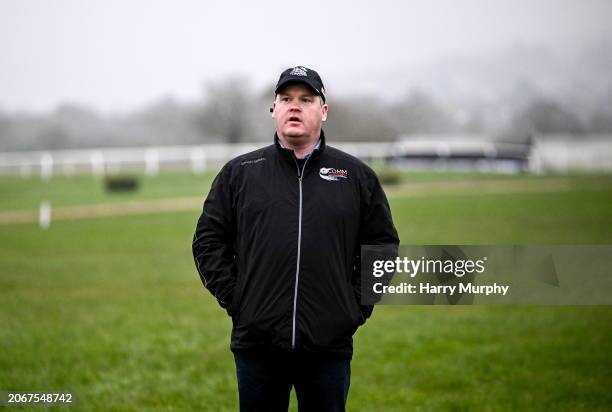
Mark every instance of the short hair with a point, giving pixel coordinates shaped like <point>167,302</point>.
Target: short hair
<point>321,102</point>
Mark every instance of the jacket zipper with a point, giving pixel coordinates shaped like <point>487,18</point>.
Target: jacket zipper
<point>299,246</point>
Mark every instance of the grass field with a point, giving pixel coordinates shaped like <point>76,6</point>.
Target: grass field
<point>113,311</point>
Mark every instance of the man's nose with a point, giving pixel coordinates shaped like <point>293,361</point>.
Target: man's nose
<point>295,106</point>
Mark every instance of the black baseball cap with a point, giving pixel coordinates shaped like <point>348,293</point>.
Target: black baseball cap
<point>303,75</point>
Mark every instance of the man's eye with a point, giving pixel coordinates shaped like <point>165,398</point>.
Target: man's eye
<point>307,100</point>
<point>284,99</point>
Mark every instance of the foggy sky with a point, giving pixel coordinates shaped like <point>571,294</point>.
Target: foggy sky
<point>117,55</point>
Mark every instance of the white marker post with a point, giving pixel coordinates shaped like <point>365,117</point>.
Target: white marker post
<point>44,215</point>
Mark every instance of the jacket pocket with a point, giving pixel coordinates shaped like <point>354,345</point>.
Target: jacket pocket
<point>234,308</point>
<point>360,316</point>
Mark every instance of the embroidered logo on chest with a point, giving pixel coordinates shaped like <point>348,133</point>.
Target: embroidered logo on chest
<point>332,174</point>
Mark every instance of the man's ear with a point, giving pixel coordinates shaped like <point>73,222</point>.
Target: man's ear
<point>324,110</point>
<point>272,108</point>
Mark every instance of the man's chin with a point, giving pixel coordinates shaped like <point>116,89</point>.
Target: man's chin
<point>294,133</point>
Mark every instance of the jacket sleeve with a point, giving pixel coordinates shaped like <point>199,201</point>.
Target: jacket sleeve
<point>376,228</point>
<point>213,241</point>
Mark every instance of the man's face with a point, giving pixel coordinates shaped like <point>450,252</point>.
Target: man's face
<point>298,114</point>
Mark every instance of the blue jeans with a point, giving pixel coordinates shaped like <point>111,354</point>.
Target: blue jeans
<point>265,379</point>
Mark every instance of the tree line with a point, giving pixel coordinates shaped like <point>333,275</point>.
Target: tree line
<point>231,111</point>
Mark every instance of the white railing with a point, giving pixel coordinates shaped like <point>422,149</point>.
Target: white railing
<point>546,154</point>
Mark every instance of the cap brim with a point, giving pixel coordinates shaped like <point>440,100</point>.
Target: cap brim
<point>299,79</point>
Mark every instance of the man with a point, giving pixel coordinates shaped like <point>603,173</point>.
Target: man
<point>278,244</point>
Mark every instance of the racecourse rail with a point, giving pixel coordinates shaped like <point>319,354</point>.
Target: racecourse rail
<point>538,154</point>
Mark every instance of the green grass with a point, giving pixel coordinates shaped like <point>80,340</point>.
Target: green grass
<point>565,217</point>
<point>113,311</point>
<point>18,193</point>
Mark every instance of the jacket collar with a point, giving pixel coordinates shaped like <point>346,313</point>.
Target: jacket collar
<point>289,152</point>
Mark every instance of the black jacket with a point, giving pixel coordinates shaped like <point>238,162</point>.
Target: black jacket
<point>278,245</point>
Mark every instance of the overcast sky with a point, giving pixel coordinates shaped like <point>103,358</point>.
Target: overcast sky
<point>119,55</point>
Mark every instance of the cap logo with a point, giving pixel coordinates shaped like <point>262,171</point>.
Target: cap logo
<point>299,71</point>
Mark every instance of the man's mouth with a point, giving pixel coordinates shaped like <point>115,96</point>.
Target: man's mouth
<point>294,119</point>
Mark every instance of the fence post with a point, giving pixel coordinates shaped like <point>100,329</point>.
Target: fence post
<point>46,166</point>
<point>198,161</point>
<point>97,163</point>
<point>152,162</point>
